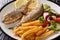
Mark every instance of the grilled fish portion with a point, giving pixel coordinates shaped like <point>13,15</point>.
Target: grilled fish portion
<point>32,15</point>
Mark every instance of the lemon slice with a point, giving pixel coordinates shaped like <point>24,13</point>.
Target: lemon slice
<point>33,4</point>
<point>19,3</point>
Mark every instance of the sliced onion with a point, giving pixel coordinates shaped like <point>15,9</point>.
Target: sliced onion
<point>46,15</point>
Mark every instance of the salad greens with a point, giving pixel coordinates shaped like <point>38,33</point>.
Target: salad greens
<point>41,19</point>
<point>52,25</point>
<point>46,7</point>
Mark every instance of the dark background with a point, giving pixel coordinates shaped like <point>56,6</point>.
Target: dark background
<point>4,36</point>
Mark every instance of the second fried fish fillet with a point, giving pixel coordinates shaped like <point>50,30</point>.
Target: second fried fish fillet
<point>32,15</point>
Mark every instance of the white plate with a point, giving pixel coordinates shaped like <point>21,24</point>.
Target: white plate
<point>10,7</point>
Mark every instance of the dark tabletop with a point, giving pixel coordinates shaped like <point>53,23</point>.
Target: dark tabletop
<point>4,36</point>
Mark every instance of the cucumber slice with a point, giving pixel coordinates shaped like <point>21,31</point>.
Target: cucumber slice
<point>52,12</point>
<point>57,26</point>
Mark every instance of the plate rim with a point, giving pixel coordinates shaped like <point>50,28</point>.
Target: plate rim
<point>17,39</point>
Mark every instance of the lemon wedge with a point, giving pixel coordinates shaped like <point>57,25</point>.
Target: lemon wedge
<point>33,4</point>
<point>19,3</point>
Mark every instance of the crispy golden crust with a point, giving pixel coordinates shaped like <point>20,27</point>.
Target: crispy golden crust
<point>12,17</point>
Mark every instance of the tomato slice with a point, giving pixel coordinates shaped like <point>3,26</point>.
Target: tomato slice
<point>47,23</point>
<point>57,20</point>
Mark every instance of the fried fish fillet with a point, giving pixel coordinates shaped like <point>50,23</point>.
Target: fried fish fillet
<point>32,15</point>
<point>15,14</point>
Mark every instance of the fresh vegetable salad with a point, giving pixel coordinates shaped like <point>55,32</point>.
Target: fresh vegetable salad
<point>50,18</point>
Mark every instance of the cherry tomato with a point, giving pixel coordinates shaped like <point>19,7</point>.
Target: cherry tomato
<point>57,19</point>
<point>46,24</point>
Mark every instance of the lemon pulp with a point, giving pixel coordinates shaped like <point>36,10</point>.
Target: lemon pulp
<point>19,3</point>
